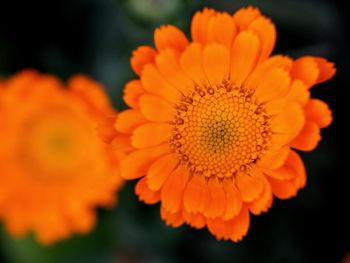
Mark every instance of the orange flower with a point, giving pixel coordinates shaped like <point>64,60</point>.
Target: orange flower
<point>54,169</point>
<point>213,121</point>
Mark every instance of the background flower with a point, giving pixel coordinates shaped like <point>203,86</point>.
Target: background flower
<point>54,169</point>
<point>97,37</point>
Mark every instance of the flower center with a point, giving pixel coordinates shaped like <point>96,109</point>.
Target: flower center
<point>55,143</point>
<point>220,130</point>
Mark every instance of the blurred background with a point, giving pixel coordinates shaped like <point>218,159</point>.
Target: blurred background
<point>97,37</point>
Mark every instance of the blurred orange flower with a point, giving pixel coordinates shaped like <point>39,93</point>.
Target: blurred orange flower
<point>213,121</point>
<point>346,258</point>
<point>54,169</point>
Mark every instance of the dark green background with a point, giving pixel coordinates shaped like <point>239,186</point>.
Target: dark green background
<point>96,37</point>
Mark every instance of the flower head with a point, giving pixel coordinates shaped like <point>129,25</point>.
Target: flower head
<point>54,169</point>
<point>214,122</point>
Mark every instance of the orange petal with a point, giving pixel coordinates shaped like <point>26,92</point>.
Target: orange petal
<point>218,23</point>
<point>217,204</point>
<point>160,170</point>
<point>169,36</point>
<point>132,91</point>
<point>25,77</point>
<point>137,163</point>
<point>245,16</point>
<point>285,172</point>
<point>299,92</point>
<point>145,194</point>
<point>288,188</point>
<point>195,220</point>
<point>274,84</point>
<point>240,225</point>
<point>288,124</point>
<point>154,83</point>
<point>259,72</point>
<point>233,200</point>
<point>128,120</point>
<point>327,69</point>
<point>234,229</point>
<point>216,63</point>
<point>171,219</point>
<point>89,90</point>
<point>167,62</point>
<point>142,56</point>
<point>55,227</point>
<point>151,134</point>
<point>305,69</point>
<point>121,143</point>
<point>200,23</point>
<point>313,70</point>
<point>275,107</point>
<point>317,111</point>
<point>308,138</point>
<point>274,158</point>
<point>197,195</point>
<point>16,227</point>
<point>250,185</point>
<point>220,228</point>
<point>173,189</point>
<point>299,168</point>
<point>156,109</point>
<point>84,220</point>
<point>191,63</point>
<point>244,54</point>
<point>283,189</point>
<point>266,31</point>
<point>264,201</point>
<point>193,194</point>
<point>106,129</point>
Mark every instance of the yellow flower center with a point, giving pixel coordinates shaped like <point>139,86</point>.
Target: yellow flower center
<point>220,130</point>
<point>56,143</point>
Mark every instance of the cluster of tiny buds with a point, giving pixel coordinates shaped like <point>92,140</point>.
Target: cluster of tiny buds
<point>220,130</point>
